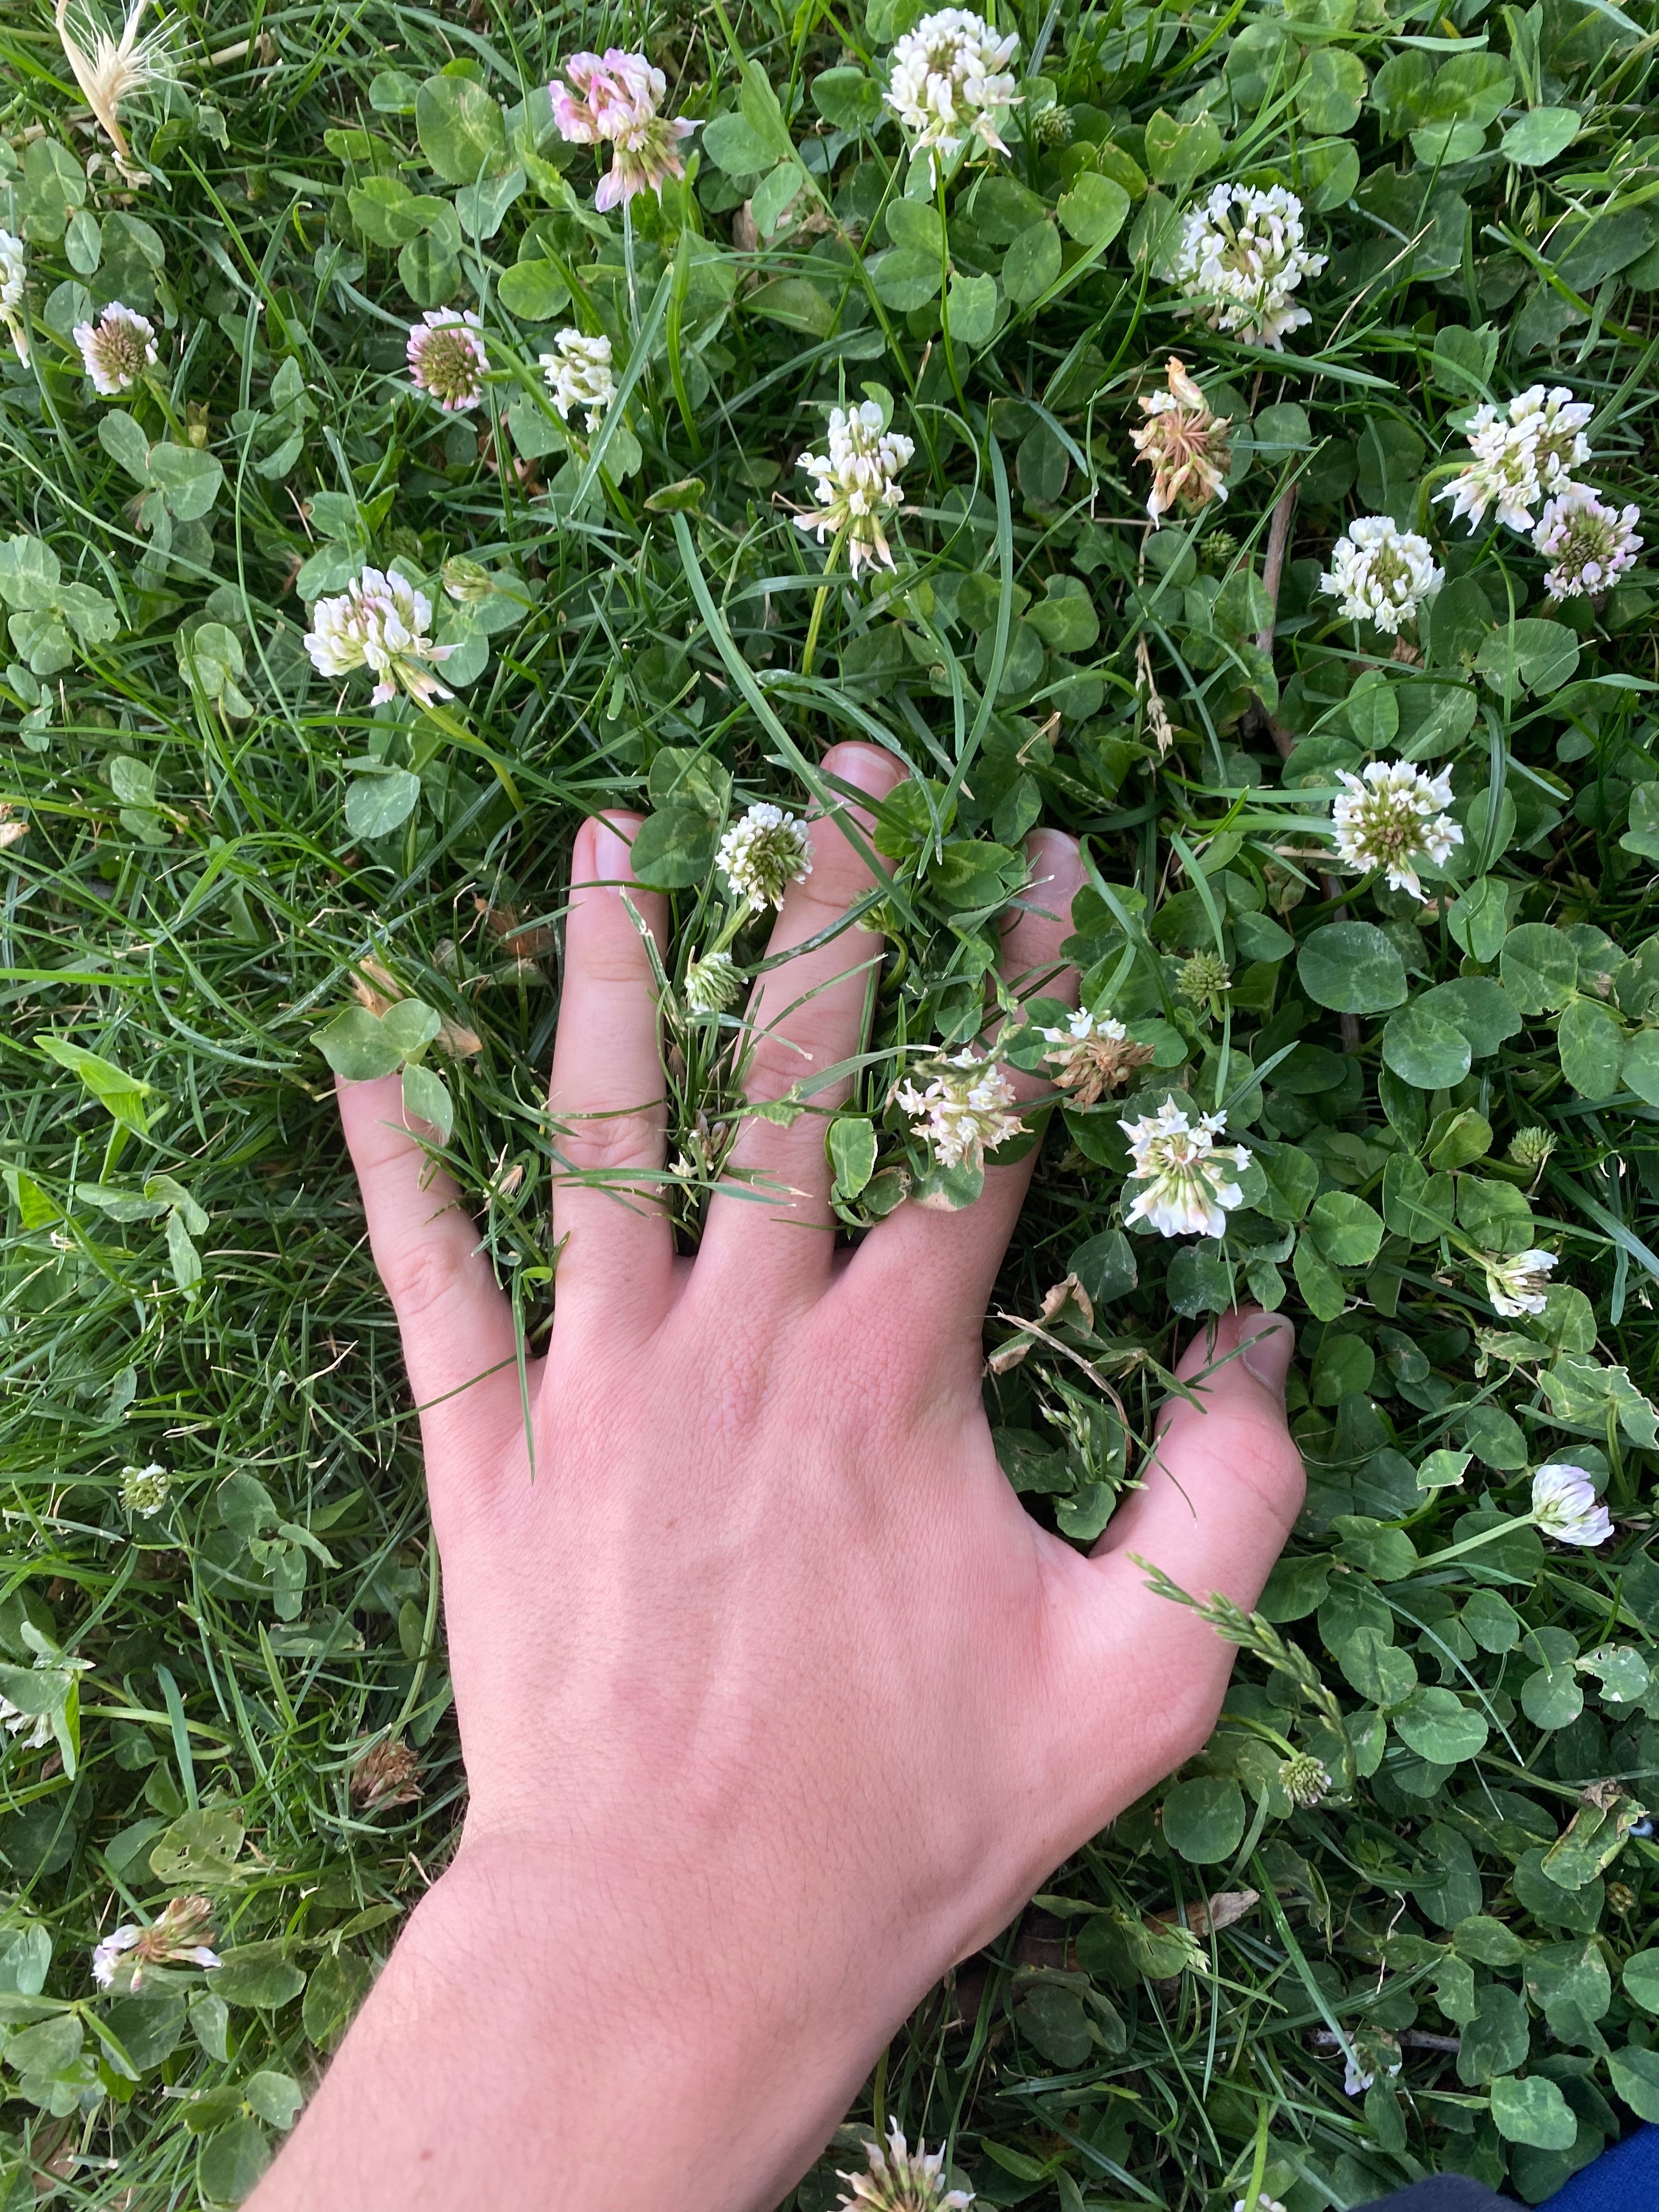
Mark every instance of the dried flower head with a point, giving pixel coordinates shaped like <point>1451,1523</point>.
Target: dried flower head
<point>950,84</point>
<point>111,71</point>
<point>1531,1146</point>
<point>578,373</point>
<point>614,102</point>
<point>13,274</point>
<point>1183,1176</point>
<point>1564,1506</point>
<point>1622,1898</point>
<point>712,983</point>
<point>1242,253</point>
<point>181,1937</point>
<point>1204,979</point>
<point>1381,573</point>
<point>762,855</point>
<point>965,1107</point>
<point>446,357</point>
<point>858,482</point>
<point>144,1489</point>
<point>900,2179</point>
<point>1393,817</point>
<point>1589,544</point>
<point>1518,1286</point>
<point>1307,1779</point>
<point>385,1774</point>
<point>1521,453</point>
<point>1093,1054</point>
<point>13,825</point>
<point>380,621</point>
<point>117,348</point>
<point>1186,447</point>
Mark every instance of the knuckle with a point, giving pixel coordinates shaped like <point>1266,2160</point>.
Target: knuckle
<point>422,1277</point>
<point>602,1142</point>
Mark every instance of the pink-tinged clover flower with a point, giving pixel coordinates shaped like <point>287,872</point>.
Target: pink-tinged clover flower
<point>117,348</point>
<point>1564,1506</point>
<point>1185,1189</point>
<point>446,358</point>
<point>612,100</point>
<point>965,1109</point>
<point>380,621</point>
<point>1588,544</point>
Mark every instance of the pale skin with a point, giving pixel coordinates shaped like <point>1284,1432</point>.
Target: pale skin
<point>774,1700</point>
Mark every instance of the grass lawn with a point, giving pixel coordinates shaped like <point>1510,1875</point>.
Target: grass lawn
<point>1395,1918</point>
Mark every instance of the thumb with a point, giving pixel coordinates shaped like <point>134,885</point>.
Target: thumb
<point>1223,1484</point>
<point>1219,1492</point>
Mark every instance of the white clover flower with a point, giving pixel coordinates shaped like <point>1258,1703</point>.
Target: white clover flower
<point>13,272</point>
<point>965,1109</point>
<point>949,83</point>
<point>117,349</point>
<point>1393,817</point>
<point>1185,1190</point>
<point>379,621</point>
<point>1186,447</point>
<point>144,1489</point>
<point>1307,1779</point>
<point>1523,452</point>
<point>15,1722</point>
<point>615,103</point>
<point>858,482</point>
<point>446,357</point>
<point>1092,1055</point>
<point>107,1955</point>
<point>712,983</point>
<point>1564,1506</point>
<point>1242,255</point>
<point>762,854</point>
<point>900,2179</point>
<point>1518,1286</point>
<point>1382,573</point>
<point>178,1938</point>
<point>1589,543</point>
<point>578,373</point>
<point>1263,2203</point>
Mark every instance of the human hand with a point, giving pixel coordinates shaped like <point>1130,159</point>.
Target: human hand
<point>774,1700</point>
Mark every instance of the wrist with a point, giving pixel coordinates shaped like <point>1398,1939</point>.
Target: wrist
<point>546,2036</point>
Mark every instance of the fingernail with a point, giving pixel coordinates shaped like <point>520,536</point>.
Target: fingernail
<point>613,858</point>
<point>1268,1341</point>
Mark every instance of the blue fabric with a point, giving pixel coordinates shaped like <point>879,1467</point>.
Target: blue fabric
<point>1623,2179</point>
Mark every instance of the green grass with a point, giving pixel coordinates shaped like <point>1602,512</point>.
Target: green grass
<point>216,846</point>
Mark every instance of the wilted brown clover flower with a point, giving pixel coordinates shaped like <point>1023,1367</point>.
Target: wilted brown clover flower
<point>1185,447</point>
<point>387,1774</point>
<point>1093,1054</point>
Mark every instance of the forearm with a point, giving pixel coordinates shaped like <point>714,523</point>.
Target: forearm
<point>528,2044</point>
